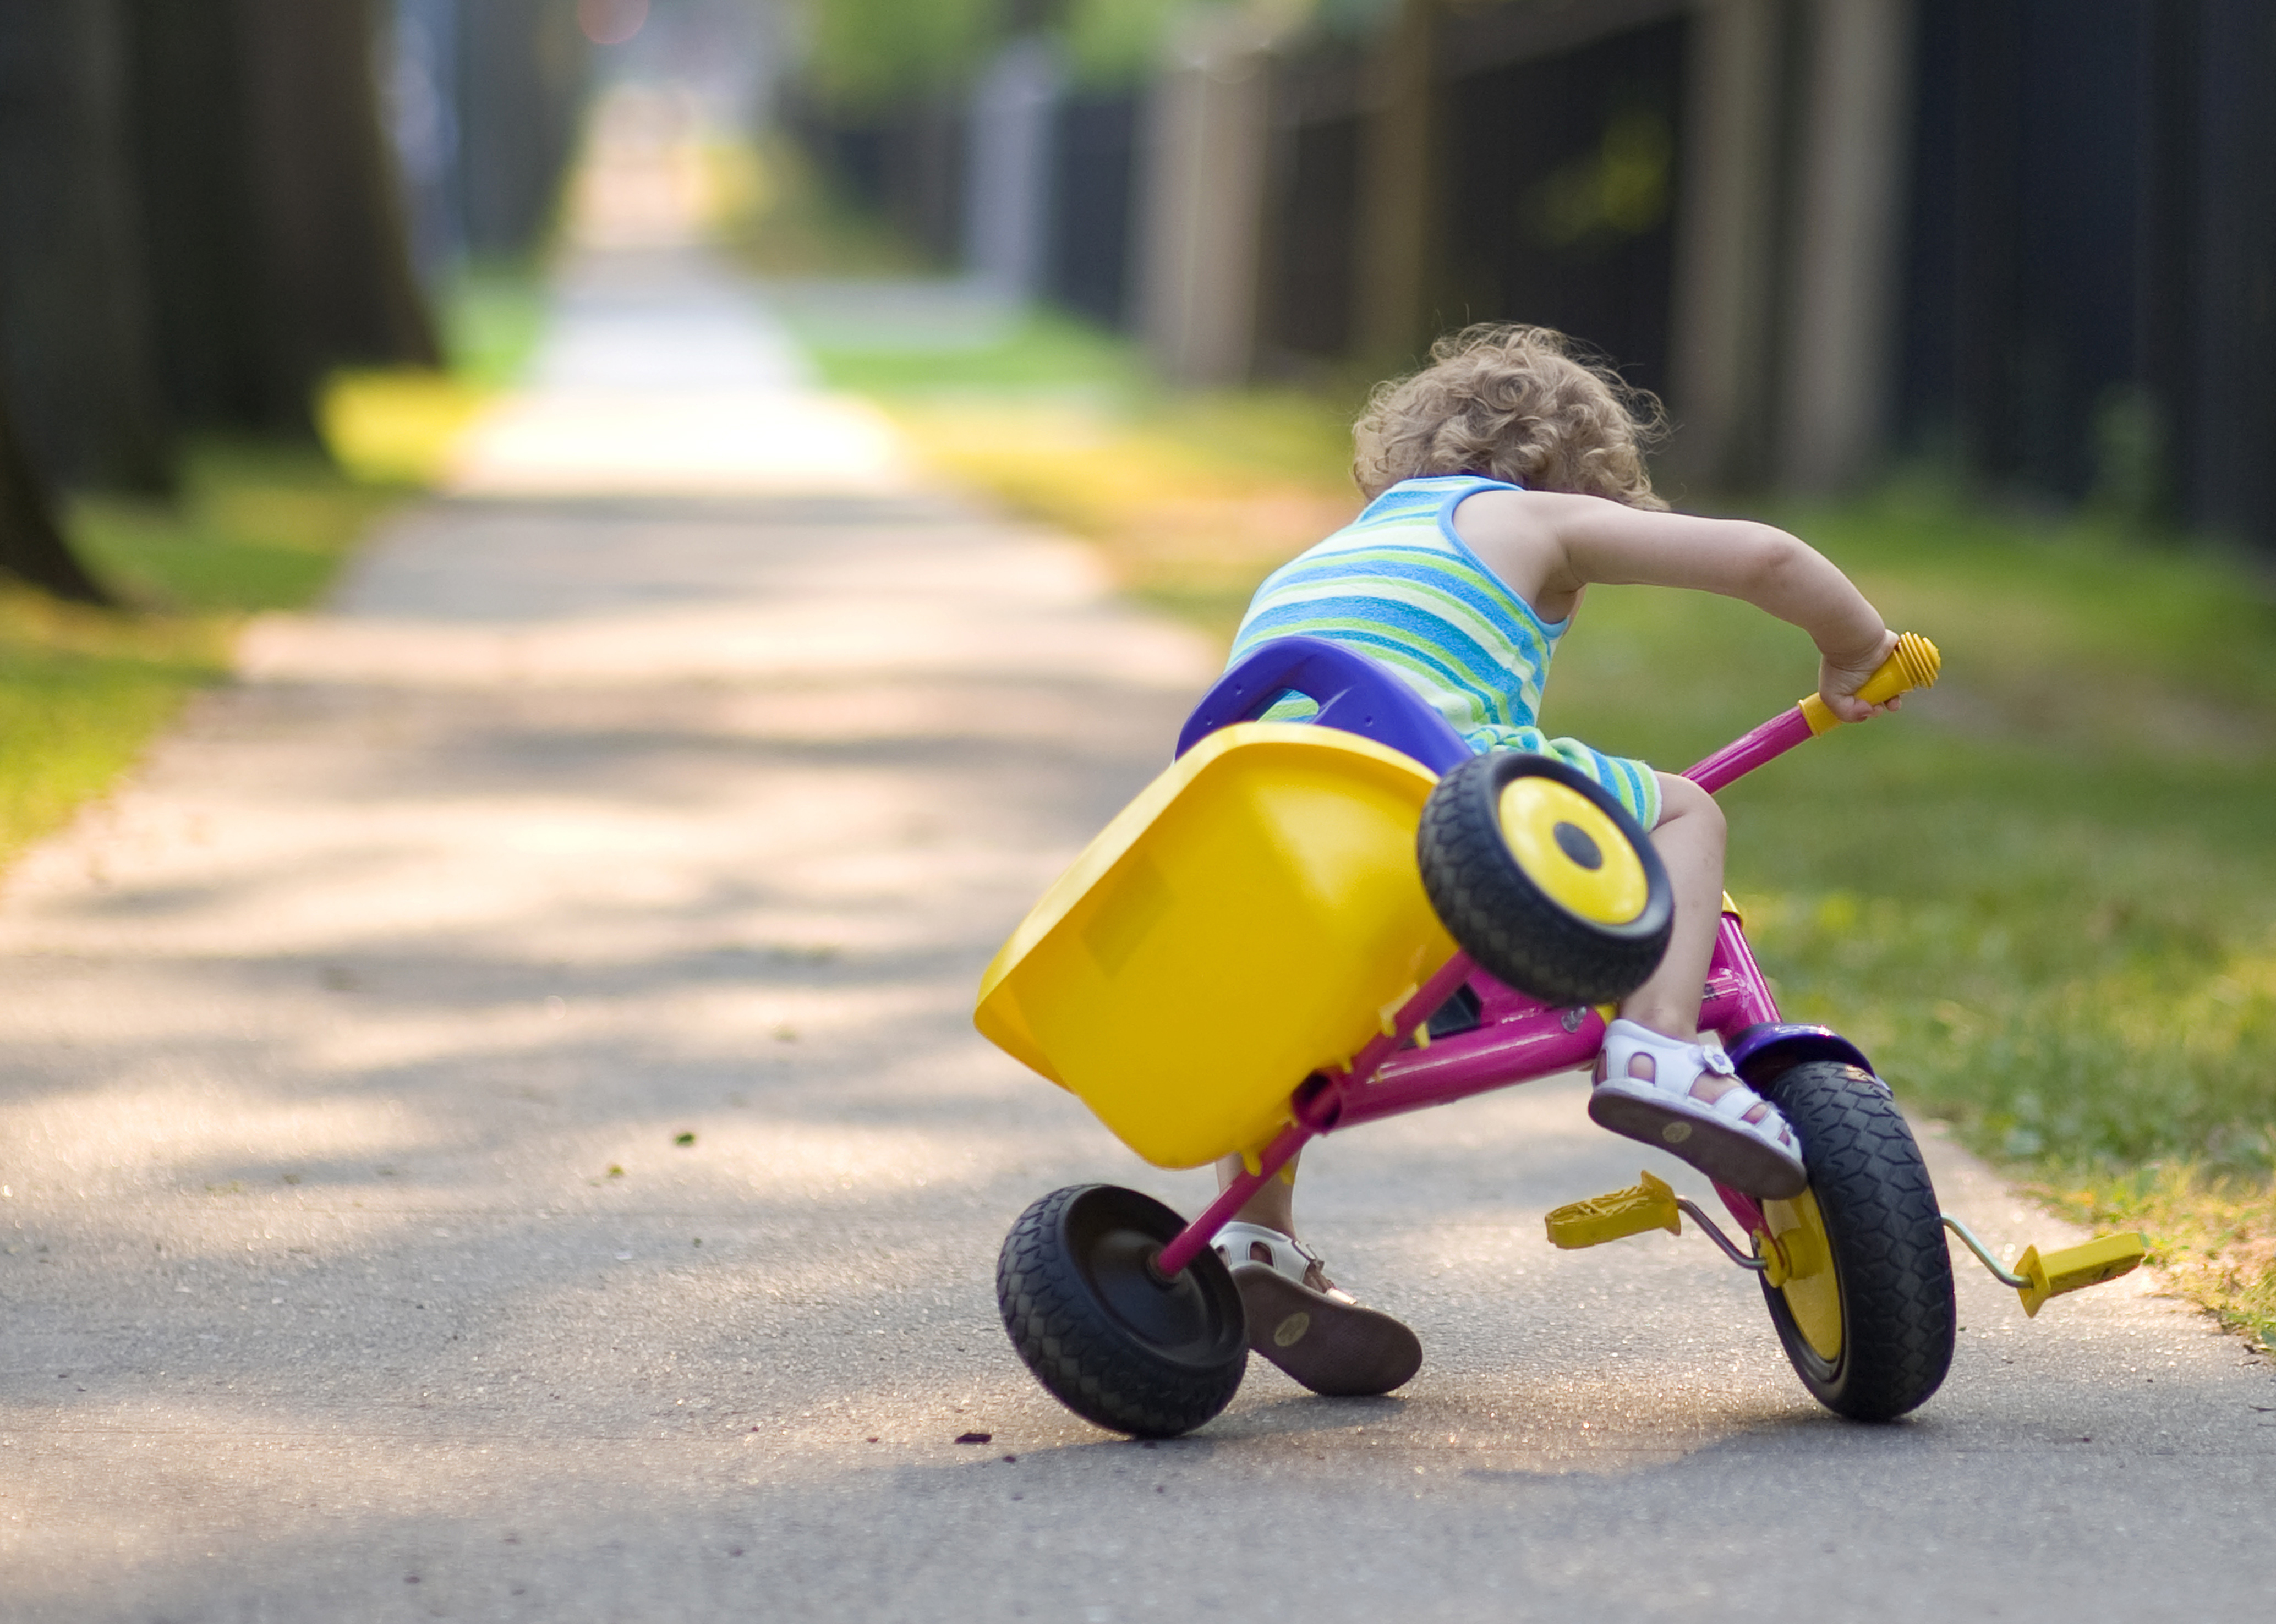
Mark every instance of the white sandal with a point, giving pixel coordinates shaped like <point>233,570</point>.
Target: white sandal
<point>1761,1159</point>
<point>1300,1321</point>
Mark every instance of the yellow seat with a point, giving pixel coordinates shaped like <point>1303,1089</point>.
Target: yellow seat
<point>1242,924</point>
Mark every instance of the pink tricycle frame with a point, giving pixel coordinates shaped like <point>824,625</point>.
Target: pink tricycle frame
<point>1517,1039</point>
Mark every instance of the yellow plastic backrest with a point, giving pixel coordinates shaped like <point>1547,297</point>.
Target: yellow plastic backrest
<point>1235,929</point>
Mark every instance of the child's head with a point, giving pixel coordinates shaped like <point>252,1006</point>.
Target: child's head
<point>1513,401</point>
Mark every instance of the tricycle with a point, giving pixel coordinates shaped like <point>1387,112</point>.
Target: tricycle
<point>1303,927</point>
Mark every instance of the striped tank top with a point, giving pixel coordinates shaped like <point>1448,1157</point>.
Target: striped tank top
<point>1398,585</point>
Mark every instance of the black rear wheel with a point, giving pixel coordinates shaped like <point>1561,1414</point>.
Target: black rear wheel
<point>1109,1336</point>
<point>1544,879</point>
<point>1863,1301</point>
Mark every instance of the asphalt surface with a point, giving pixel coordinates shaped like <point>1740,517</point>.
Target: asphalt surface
<point>359,1262</point>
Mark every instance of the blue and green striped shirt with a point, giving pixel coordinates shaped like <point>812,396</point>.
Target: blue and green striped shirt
<point>1398,585</point>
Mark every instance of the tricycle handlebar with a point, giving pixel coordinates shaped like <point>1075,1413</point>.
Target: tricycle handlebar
<point>1913,665</point>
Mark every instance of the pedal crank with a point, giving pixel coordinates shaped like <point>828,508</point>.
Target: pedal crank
<point>2039,1276</point>
<point>1649,1204</point>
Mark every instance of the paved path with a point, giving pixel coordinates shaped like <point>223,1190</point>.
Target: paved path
<point>354,1267</point>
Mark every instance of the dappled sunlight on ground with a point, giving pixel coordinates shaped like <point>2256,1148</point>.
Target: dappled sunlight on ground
<point>146,1131</point>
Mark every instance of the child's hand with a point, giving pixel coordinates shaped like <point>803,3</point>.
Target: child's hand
<point>1840,675</point>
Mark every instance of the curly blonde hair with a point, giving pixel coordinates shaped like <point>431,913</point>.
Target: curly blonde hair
<point>1518,402</point>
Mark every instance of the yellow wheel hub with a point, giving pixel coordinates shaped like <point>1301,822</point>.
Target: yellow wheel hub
<point>1573,851</point>
<point>1801,1267</point>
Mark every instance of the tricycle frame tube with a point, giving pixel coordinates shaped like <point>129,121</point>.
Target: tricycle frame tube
<point>1415,1013</point>
<point>1318,1107</point>
<point>1516,1049</point>
<point>1746,1001</point>
<point>1742,756</point>
<point>1197,1235</point>
<point>1519,1041</point>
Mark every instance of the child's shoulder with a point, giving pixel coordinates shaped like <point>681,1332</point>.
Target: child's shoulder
<point>1408,527</point>
<point>1425,499</point>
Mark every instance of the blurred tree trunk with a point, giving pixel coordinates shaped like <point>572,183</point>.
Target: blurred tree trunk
<point>76,362</point>
<point>202,220</point>
<point>337,257</point>
<point>32,545</point>
<point>523,66</point>
<point>277,230</point>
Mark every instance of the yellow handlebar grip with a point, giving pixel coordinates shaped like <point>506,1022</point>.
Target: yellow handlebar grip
<point>1915,664</point>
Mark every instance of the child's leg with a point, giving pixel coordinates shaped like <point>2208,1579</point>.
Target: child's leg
<point>1273,1205</point>
<point>1747,1144</point>
<point>1689,836</point>
<point>1297,1317</point>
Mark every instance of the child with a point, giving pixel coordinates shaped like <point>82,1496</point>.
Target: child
<point>1502,480</point>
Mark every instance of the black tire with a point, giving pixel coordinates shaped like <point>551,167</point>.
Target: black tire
<point>1501,914</point>
<point>1892,1273</point>
<point>1110,1339</point>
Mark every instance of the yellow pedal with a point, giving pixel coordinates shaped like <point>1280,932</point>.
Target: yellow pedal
<point>1615,1217</point>
<point>2074,1268</point>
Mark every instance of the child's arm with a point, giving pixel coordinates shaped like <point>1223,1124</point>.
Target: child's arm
<point>1549,547</point>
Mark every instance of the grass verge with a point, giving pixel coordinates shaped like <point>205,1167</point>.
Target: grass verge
<point>2043,898</point>
<point>256,527</point>
<point>400,426</point>
<point>772,212</point>
<point>83,690</point>
<point>2215,1234</point>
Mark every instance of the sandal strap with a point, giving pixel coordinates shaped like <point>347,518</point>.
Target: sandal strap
<point>1625,1039</point>
<point>1289,1256</point>
<point>1737,1100</point>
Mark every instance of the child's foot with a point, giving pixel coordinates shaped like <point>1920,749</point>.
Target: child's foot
<point>1685,1098</point>
<point>1300,1321</point>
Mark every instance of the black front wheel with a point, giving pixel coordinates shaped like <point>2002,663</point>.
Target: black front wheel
<point>1860,1287</point>
<point>1109,1336</point>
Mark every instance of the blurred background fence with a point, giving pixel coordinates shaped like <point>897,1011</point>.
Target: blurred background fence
<point>2035,239</point>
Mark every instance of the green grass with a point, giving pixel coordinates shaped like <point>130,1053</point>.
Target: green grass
<point>2213,1233</point>
<point>492,317</point>
<point>82,690</point>
<point>254,527</point>
<point>772,212</point>
<point>80,695</point>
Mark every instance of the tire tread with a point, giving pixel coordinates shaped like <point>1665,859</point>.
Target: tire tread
<point>1086,1361</point>
<point>1886,1229</point>
<point>1497,914</point>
